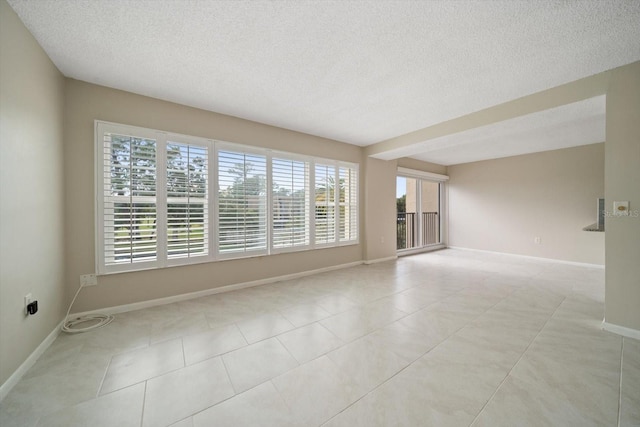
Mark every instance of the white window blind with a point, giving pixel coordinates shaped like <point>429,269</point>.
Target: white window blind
<point>187,200</point>
<point>325,204</point>
<point>242,202</point>
<point>290,214</point>
<point>129,209</point>
<point>348,204</point>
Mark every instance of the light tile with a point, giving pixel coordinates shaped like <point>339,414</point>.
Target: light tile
<point>357,322</point>
<point>518,403</point>
<point>309,342</point>
<point>121,408</point>
<point>187,422</point>
<point>316,391</point>
<point>257,363</point>
<point>405,342</point>
<point>178,394</point>
<point>210,343</point>
<point>418,396</point>
<point>139,365</point>
<point>336,303</point>
<point>63,386</point>
<point>367,362</point>
<point>264,326</point>
<point>259,406</point>
<point>304,314</point>
<point>630,384</point>
<point>436,325</point>
<point>186,324</point>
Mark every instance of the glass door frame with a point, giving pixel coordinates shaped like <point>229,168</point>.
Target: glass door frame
<point>441,180</point>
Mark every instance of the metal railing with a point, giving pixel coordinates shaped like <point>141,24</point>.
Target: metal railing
<point>407,229</point>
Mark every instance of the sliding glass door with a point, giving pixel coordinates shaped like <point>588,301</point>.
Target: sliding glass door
<point>418,212</point>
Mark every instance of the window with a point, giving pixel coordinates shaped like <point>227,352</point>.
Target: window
<point>348,204</point>
<point>187,200</point>
<point>242,202</point>
<point>155,206</point>
<point>290,214</point>
<point>129,202</point>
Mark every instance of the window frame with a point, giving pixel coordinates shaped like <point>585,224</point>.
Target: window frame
<point>213,148</point>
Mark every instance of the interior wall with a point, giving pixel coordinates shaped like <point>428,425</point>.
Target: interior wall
<point>31,190</point>
<point>502,205</point>
<point>85,103</point>
<point>622,182</point>
<point>406,162</point>
<point>380,209</point>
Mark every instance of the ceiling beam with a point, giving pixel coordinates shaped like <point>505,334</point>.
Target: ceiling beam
<point>409,144</point>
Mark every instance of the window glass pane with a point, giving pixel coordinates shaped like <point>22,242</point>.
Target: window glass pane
<point>430,202</point>
<point>325,206</point>
<point>242,202</point>
<point>129,206</point>
<point>187,200</point>
<point>290,180</point>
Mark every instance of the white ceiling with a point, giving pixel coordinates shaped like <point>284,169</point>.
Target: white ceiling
<point>355,71</point>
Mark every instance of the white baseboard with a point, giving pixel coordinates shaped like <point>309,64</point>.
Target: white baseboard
<point>559,261</point>
<point>184,297</point>
<point>407,252</point>
<point>621,330</point>
<point>29,362</point>
<point>377,260</point>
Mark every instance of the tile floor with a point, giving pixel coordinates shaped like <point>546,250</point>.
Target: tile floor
<point>450,338</point>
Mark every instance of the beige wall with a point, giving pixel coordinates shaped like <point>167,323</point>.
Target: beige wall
<point>502,205</point>
<point>84,104</point>
<point>419,165</point>
<point>380,209</point>
<point>622,182</point>
<point>31,193</point>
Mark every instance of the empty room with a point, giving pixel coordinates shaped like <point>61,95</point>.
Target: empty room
<point>319,213</point>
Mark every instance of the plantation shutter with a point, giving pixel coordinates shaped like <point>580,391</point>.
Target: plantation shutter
<point>290,214</point>
<point>242,202</point>
<point>129,205</point>
<point>187,200</point>
<point>325,204</point>
<point>348,204</point>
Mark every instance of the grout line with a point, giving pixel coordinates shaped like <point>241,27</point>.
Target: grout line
<point>144,401</point>
<point>620,389</point>
<point>184,356</point>
<point>104,376</point>
<point>235,393</point>
<point>517,361</point>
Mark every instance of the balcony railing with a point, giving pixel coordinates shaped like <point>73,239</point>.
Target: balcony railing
<point>407,229</point>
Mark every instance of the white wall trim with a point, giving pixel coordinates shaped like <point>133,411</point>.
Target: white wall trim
<point>184,297</point>
<point>621,330</point>
<point>29,362</point>
<point>377,260</point>
<point>559,261</point>
<point>414,173</point>
<point>414,251</point>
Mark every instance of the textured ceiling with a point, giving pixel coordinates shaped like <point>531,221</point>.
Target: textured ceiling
<point>571,125</point>
<point>355,71</point>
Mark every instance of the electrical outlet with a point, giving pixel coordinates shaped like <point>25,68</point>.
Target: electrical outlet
<point>88,280</point>
<point>27,300</point>
<point>537,240</point>
<point>381,239</point>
